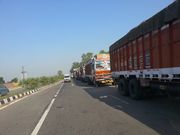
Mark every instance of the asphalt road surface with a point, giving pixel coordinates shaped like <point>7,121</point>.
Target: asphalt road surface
<point>78,109</point>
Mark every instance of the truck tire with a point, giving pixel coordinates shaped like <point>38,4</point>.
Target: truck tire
<point>89,82</point>
<point>135,89</point>
<point>123,87</point>
<point>96,84</point>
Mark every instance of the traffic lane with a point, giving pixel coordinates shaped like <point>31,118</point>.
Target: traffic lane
<point>158,112</point>
<point>75,112</point>
<point>21,117</point>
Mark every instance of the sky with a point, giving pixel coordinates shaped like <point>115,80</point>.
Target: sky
<point>45,36</point>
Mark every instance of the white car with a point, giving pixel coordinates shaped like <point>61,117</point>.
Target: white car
<point>67,78</point>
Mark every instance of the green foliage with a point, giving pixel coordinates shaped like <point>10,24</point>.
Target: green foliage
<point>75,65</point>
<point>15,80</point>
<point>2,80</point>
<point>33,83</point>
<point>20,83</point>
<point>103,52</point>
<point>86,57</point>
<point>60,73</point>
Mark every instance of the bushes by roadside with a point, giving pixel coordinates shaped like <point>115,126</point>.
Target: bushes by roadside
<point>33,83</point>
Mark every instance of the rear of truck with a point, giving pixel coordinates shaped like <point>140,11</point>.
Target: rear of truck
<point>97,70</point>
<point>103,72</point>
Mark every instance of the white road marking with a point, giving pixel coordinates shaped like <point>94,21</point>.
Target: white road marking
<point>43,117</point>
<point>101,97</point>
<point>121,100</point>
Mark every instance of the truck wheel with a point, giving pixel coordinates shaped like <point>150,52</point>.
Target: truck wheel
<point>89,82</point>
<point>96,84</point>
<point>114,82</point>
<point>123,87</point>
<point>135,89</point>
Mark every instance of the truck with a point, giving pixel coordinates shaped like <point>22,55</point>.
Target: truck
<point>76,73</point>
<point>97,70</point>
<point>147,57</point>
<point>82,73</point>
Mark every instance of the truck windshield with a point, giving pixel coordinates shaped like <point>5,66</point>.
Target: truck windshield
<point>103,65</point>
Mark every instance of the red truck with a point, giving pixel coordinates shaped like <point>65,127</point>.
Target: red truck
<point>149,55</point>
<point>97,70</point>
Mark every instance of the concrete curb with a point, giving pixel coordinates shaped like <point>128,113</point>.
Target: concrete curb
<point>21,95</point>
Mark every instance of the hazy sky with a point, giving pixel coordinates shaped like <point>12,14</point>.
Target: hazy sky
<point>45,36</point>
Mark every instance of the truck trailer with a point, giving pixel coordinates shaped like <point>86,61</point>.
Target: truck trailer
<point>148,56</point>
<point>97,70</point>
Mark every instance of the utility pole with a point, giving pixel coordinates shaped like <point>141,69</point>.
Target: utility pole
<point>23,75</point>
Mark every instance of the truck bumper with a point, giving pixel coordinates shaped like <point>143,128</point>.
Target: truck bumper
<point>105,81</point>
<point>166,86</point>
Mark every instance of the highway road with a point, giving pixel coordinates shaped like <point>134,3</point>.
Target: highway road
<point>78,109</point>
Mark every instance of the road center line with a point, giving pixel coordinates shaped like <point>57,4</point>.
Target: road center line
<point>43,117</point>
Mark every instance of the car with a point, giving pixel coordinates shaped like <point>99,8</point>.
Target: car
<point>67,78</point>
<point>3,90</point>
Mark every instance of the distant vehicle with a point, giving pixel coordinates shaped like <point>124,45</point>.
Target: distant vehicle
<point>67,78</point>
<point>97,70</point>
<point>3,90</point>
<point>148,56</point>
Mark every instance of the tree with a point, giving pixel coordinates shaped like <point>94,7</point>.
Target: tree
<point>15,80</point>
<point>60,73</point>
<point>31,83</point>
<point>43,80</point>
<point>86,57</point>
<point>74,66</point>
<point>103,52</point>
<point>2,80</point>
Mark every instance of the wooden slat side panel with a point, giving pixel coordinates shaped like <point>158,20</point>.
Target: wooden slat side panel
<point>140,52</point>
<point>116,59</point>
<point>165,47</point>
<point>155,50</point>
<point>125,57</point>
<point>118,54</point>
<point>130,57</point>
<point>135,55</point>
<point>147,56</point>
<point>176,44</point>
<point>122,59</point>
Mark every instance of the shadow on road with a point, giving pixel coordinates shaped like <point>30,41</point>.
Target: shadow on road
<point>158,113</point>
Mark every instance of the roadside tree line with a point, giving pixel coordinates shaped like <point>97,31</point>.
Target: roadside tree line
<point>32,83</point>
<point>36,82</point>
<point>14,80</point>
